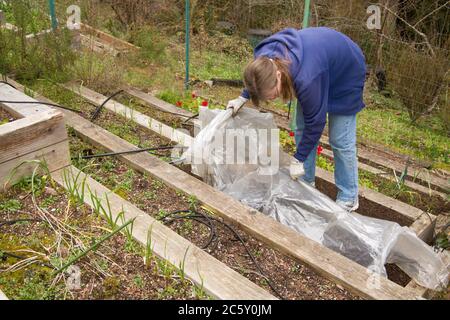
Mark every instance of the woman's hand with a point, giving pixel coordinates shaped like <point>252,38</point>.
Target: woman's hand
<point>236,104</point>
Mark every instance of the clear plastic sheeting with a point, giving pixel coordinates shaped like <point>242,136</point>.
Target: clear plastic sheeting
<point>368,241</point>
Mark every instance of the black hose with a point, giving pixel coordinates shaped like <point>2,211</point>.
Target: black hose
<point>110,154</point>
<point>190,118</point>
<point>9,84</point>
<point>97,111</point>
<point>208,221</point>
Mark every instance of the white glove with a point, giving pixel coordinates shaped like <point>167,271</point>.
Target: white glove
<point>236,104</point>
<point>296,169</point>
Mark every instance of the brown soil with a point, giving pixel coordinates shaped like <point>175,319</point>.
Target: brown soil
<point>122,275</point>
<point>5,117</point>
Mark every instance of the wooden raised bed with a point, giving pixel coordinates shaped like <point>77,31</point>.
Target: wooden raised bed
<point>326,262</point>
<point>420,222</point>
<point>39,133</point>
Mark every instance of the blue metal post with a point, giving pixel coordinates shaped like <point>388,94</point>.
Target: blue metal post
<point>51,4</point>
<point>188,18</point>
<point>306,14</point>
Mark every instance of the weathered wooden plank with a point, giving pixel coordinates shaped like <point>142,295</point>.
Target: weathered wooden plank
<point>326,262</point>
<point>8,93</point>
<point>92,43</point>
<point>119,43</point>
<point>32,133</point>
<point>215,277</point>
<point>424,227</point>
<point>140,118</point>
<point>55,157</point>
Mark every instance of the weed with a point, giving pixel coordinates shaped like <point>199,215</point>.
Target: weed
<point>11,205</point>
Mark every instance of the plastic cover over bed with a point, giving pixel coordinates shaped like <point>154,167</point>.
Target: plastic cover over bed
<point>265,185</point>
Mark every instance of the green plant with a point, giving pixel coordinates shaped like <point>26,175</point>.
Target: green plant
<point>148,255</point>
<point>182,265</point>
<point>138,281</point>
<point>74,187</point>
<point>93,247</point>
<point>45,56</point>
<point>193,202</point>
<point>152,44</point>
<point>11,205</point>
<point>101,73</point>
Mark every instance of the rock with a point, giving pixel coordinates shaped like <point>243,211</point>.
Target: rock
<point>50,191</point>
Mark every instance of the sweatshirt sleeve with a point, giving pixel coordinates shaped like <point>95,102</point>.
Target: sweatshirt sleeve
<point>313,99</point>
<point>245,94</point>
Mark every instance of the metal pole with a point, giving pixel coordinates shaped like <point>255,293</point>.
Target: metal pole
<point>51,4</point>
<point>306,14</point>
<point>188,18</point>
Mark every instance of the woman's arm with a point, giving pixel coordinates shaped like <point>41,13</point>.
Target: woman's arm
<point>313,99</point>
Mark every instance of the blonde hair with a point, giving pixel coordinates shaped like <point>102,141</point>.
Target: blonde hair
<point>260,76</point>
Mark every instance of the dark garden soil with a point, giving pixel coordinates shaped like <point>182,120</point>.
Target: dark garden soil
<point>115,271</point>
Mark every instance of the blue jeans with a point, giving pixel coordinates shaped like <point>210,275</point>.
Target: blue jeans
<point>342,135</point>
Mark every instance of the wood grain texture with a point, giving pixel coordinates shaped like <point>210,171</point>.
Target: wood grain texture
<point>55,157</point>
<point>30,134</point>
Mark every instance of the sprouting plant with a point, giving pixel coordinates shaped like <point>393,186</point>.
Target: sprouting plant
<point>10,205</point>
<point>40,164</point>
<point>161,214</point>
<point>94,246</point>
<point>199,292</point>
<point>182,265</point>
<point>193,201</point>
<point>74,187</point>
<point>129,229</point>
<point>148,248</point>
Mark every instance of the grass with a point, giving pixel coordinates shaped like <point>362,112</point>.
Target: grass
<point>385,123</point>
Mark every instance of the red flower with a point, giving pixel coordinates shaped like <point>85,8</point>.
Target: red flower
<point>204,103</point>
<point>194,95</point>
<point>179,103</point>
<point>319,150</point>
<point>291,134</point>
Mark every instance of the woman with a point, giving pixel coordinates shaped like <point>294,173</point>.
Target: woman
<point>325,70</point>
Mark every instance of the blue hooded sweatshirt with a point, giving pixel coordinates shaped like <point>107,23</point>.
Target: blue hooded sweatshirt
<point>328,71</point>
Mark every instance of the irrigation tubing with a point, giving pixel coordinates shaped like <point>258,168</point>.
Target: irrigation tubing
<point>97,111</point>
<point>208,221</point>
<point>111,154</point>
